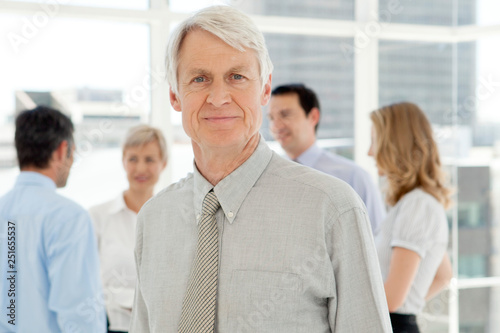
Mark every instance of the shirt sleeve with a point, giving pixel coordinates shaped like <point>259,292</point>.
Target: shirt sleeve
<point>139,322</point>
<point>415,225</point>
<point>360,304</point>
<point>75,293</point>
<point>371,196</point>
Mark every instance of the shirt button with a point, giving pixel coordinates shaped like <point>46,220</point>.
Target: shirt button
<point>230,214</point>
<point>198,216</point>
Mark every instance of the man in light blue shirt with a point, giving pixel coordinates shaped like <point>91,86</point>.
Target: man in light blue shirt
<point>294,113</point>
<point>48,253</point>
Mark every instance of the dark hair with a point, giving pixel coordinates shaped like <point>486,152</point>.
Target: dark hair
<point>38,134</point>
<point>307,98</point>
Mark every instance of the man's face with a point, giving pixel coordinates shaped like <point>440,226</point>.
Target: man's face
<point>289,124</point>
<point>220,92</point>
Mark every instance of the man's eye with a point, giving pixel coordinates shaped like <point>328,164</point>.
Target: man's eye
<point>199,79</point>
<point>237,76</point>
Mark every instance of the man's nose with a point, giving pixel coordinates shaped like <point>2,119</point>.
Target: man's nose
<point>219,93</point>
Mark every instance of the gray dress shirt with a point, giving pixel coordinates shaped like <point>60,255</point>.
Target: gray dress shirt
<point>345,169</point>
<point>296,252</point>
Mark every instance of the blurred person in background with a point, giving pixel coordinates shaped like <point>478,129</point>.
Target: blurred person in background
<point>294,114</point>
<point>144,158</point>
<point>48,254</point>
<point>413,239</point>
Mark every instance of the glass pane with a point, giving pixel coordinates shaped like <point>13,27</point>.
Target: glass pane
<point>486,12</point>
<point>325,9</point>
<point>420,73</point>
<point>96,72</point>
<point>479,168</point>
<point>51,7</point>
<point>423,73</point>
<point>478,310</point>
<point>475,232</point>
<point>427,12</point>
<point>319,63</point>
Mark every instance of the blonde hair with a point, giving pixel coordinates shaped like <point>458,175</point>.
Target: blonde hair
<point>406,152</point>
<point>143,134</point>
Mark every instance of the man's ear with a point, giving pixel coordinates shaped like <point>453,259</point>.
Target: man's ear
<point>174,101</point>
<point>313,116</point>
<point>59,155</point>
<point>266,93</point>
<point>61,152</point>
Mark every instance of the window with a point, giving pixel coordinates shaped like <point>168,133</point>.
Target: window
<point>472,265</point>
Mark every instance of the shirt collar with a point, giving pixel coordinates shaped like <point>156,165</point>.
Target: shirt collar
<point>118,204</point>
<point>35,179</point>
<point>233,189</point>
<point>310,156</point>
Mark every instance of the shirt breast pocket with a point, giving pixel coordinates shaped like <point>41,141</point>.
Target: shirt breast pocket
<point>263,301</point>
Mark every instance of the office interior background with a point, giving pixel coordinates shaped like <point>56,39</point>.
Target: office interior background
<point>102,63</point>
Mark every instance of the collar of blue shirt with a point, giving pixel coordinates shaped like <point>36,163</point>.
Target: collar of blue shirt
<point>32,178</point>
<point>310,156</point>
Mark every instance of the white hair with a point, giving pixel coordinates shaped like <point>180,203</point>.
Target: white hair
<point>229,24</point>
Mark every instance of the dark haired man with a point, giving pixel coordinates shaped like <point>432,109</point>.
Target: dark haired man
<point>294,113</point>
<point>48,248</point>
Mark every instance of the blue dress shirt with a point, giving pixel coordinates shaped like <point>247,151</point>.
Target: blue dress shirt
<point>49,262</point>
<point>352,174</point>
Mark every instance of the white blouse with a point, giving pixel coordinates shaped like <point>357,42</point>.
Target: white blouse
<point>114,225</point>
<point>418,223</point>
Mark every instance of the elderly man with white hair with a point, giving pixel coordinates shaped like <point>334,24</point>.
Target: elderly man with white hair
<point>250,242</point>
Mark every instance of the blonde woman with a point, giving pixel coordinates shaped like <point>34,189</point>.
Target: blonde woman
<point>414,237</point>
<point>144,158</point>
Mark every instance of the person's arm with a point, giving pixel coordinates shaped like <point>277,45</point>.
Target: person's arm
<point>402,270</point>
<point>75,293</point>
<point>366,188</point>
<point>441,279</point>
<point>140,319</point>
<point>359,304</point>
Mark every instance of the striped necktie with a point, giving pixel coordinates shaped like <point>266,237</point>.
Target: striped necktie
<point>198,308</point>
